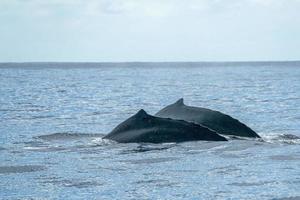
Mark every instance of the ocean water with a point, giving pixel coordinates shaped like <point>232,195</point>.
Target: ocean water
<point>53,115</point>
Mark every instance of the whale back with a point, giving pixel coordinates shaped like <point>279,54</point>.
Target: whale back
<point>142,127</point>
<point>215,120</point>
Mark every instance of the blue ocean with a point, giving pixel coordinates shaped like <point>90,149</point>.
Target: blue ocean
<point>53,117</point>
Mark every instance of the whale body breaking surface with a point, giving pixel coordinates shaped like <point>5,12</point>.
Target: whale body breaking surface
<point>214,120</point>
<point>143,127</point>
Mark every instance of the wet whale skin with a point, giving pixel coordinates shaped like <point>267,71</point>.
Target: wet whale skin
<point>143,127</point>
<point>214,120</point>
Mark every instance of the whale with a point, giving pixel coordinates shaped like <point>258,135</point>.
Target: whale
<point>145,128</point>
<point>214,120</point>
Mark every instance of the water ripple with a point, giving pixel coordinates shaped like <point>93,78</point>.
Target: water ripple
<point>21,169</point>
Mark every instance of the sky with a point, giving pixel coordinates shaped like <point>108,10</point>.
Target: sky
<point>149,30</point>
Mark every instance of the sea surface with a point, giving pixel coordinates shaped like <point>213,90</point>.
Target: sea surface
<point>53,115</point>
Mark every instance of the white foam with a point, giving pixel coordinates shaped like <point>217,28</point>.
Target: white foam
<point>278,138</point>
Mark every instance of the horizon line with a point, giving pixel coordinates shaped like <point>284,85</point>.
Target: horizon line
<point>120,62</point>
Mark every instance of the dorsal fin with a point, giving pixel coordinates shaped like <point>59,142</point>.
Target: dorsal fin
<point>141,113</point>
<point>179,102</point>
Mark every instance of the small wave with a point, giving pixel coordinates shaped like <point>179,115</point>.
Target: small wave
<point>289,136</point>
<point>251,184</point>
<point>20,169</point>
<point>150,160</point>
<point>45,149</point>
<point>99,141</point>
<point>225,170</point>
<point>281,138</point>
<point>284,157</point>
<point>235,137</point>
<point>65,142</point>
<point>67,136</point>
<point>73,183</point>
<point>150,147</point>
<point>156,183</point>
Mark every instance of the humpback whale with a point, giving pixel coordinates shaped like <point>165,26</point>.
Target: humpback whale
<point>143,127</point>
<point>214,120</point>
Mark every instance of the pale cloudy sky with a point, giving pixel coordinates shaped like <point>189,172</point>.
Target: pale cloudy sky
<point>149,30</point>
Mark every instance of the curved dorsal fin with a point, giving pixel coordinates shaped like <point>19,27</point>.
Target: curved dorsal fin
<point>179,102</point>
<point>141,113</point>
